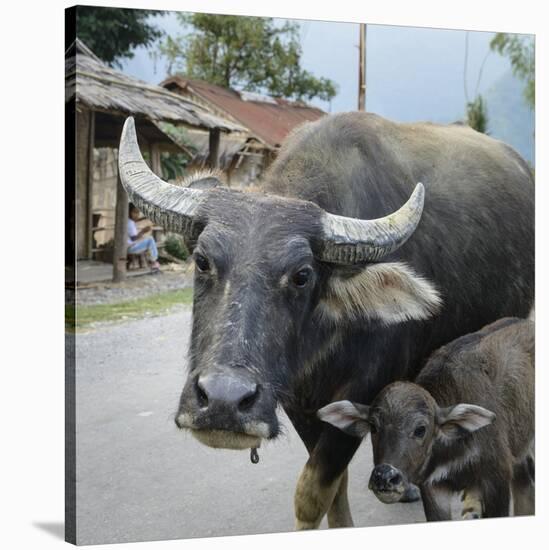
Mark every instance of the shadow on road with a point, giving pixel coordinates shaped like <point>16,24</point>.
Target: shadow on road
<point>56,529</point>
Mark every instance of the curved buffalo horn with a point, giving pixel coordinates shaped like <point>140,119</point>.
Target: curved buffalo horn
<point>352,241</point>
<point>167,205</point>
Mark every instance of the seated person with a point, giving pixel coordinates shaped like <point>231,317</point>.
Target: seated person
<point>136,243</point>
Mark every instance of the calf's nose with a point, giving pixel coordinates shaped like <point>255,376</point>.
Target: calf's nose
<point>224,390</point>
<point>385,478</point>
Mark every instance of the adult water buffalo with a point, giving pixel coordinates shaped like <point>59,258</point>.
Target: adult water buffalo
<point>306,293</point>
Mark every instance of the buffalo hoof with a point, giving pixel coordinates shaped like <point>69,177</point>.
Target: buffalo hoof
<point>411,494</point>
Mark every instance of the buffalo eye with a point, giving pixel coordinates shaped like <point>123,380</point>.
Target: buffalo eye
<point>201,262</point>
<point>302,277</point>
<point>419,431</point>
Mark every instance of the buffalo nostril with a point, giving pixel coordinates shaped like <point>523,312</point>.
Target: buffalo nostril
<point>386,476</point>
<point>247,402</point>
<point>377,475</point>
<point>396,479</point>
<point>201,395</point>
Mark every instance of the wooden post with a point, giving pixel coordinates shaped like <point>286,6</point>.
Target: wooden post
<point>89,187</point>
<point>120,234</point>
<point>362,68</point>
<point>365,79</point>
<point>70,190</point>
<point>156,163</point>
<point>213,156</point>
<point>81,193</point>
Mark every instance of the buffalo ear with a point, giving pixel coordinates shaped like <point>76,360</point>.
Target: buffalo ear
<point>351,418</point>
<point>389,292</point>
<point>459,420</point>
<point>203,179</point>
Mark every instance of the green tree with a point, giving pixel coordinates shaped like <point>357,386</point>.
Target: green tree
<point>252,53</point>
<point>112,33</point>
<point>477,117</point>
<point>520,50</point>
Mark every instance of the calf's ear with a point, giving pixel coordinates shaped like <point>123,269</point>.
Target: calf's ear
<point>351,418</point>
<point>390,292</point>
<point>459,420</point>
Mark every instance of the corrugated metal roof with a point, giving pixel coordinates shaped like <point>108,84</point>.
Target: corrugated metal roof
<point>100,87</point>
<point>269,122</point>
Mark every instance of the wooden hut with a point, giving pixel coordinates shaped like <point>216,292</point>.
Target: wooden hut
<point>97,101</point>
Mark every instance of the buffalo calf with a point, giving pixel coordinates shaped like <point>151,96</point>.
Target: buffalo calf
<point>466,424</point>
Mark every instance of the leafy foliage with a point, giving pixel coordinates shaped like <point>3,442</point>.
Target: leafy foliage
<point>477,117</point>
<point>252,53</point>
<point>173,165</point>
<point>520,50</point>
<point>175,246</point>
<point>111,33</point>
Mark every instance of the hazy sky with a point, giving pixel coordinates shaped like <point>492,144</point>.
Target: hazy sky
<point>412,73</point>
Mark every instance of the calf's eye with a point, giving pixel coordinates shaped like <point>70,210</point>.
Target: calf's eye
<point>419,431</point>
<point>201,262</point>
<point>301,278</point>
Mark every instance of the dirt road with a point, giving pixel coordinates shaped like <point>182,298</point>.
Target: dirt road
<point>139,478</point>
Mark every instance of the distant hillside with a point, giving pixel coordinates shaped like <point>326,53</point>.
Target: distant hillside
<point>509,117</point>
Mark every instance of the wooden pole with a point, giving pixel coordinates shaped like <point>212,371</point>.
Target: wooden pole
<point>120,234</point>
<point>362,68</point>
<point>365,65</point>
<point>71,176</point>
<point>81,193</point>
<point>89,187</point>
<point>213,156</point>
<point>156,163</point>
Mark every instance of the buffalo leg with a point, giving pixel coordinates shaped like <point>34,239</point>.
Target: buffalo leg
<point>322,484</point>
<point>523,489</point>
<point>496,497</point>
<point>339,513</point>
<point>436,503</point>
<point>472,503</point>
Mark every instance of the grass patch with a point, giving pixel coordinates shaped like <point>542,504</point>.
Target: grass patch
<point>134,309</point>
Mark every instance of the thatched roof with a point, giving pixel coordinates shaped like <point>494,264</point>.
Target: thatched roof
<point>101,88</point>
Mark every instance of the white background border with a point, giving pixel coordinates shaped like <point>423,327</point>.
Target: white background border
<point>32,342</point>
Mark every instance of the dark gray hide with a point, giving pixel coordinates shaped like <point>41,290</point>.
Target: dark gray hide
<point>466,424</point>
<point>349,329</point>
